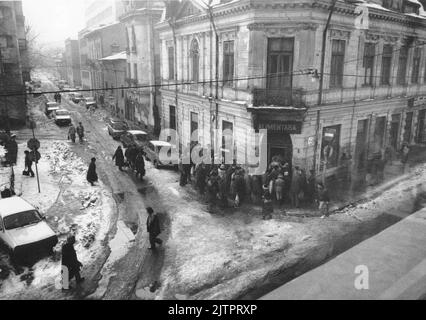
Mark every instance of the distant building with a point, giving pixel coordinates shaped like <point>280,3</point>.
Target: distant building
<point>100,42</point>
<point>72,62</point>
<point>61,66</point>
<point>114,79</point>
<point>14,64</point>
<point>102,12</point>
<point>143,61</point>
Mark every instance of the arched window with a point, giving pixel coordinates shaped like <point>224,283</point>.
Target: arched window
<point>195,57</point>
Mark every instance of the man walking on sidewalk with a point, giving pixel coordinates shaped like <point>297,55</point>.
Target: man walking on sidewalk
<point>71,133</point>
<point>80,132</point>
<point>153,228</point>
<point>70,262</point>
<point>28,164</point>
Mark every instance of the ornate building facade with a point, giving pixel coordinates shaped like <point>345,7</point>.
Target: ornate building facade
<point>265,73</point>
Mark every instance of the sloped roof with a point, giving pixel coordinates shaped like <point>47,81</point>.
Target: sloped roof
<point>117,56</point>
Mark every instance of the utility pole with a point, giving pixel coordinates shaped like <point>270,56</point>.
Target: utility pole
<point>216,98</point>
<point>323,48</point>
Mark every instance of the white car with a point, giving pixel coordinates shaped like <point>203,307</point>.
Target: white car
<point>62,117</point>
<point>23,229</point>
<point>161,153</point>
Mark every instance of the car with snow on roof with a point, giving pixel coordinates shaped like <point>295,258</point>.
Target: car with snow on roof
<point>24,230</point>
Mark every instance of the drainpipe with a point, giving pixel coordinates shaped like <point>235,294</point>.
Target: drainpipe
<point>324,40</point>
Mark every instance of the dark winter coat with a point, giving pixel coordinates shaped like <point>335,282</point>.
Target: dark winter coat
<point>239,184</point>
<point>153,225</point>
<point>12,151</point>
<point>28,161</point>
<point>92,176</point>
<point>323,195</point>
<point>119,157</point>
<point>80,131</point>
<point>279,184</point>
<point>200,178</point>
<point>69,258</point>
<point>140,164</point>
<point>212,188</point>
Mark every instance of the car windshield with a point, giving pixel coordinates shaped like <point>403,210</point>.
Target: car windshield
<point>119,126</point>
<point>21,219</point>
<point>140,137</point>
<point>62,113</point>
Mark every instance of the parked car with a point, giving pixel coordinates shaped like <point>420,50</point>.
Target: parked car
<point>137,138</point>
<point>161,153</point>
<point>50,107</point>
<point>62,117</point>
<point>23,229</point>
<point>89,101</point>
<point>116,127</point>
<point>77,97</point>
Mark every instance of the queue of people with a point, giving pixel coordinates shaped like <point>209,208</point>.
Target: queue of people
<point>226,186</point>
<point>133,158</point>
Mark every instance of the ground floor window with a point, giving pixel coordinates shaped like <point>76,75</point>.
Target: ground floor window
<point>330,145</point>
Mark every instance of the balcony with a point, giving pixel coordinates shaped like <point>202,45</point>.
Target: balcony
<point>278,97</point>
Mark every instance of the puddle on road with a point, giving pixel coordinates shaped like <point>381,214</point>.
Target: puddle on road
<point>119,246</point>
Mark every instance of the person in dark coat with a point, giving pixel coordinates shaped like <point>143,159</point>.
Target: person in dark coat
<point>212,189</point>
<point>256,188</point>
<point>200,178</point>
<point>153,228</point>
<point>183,180</point>
<point>267,207</point>
<point>70,261</point>
<point>80,132</point>
<point>119,158</point>
<point>28,163</point>
<point>296,187</point>
<point>323,199</point>
<point>140,165</point>
<point>133,152</point>
<point>223,196</point>
<point>92,176</point>
<point>12,150</point>
<point>238,186</point>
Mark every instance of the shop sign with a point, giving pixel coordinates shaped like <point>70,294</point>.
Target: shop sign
<point>291,127</point>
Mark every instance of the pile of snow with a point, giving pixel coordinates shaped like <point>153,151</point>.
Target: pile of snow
<point>3,151</point>
<point>72,206</point>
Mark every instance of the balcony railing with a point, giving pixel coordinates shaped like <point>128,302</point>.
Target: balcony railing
<point>278,97</point>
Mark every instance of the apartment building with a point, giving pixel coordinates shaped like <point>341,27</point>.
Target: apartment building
<point>72,62</point>
<point>14,64</point>
<point>265,74</point>
<point>143,62</point>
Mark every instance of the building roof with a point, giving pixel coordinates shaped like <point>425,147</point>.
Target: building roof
<point>117,56</point>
